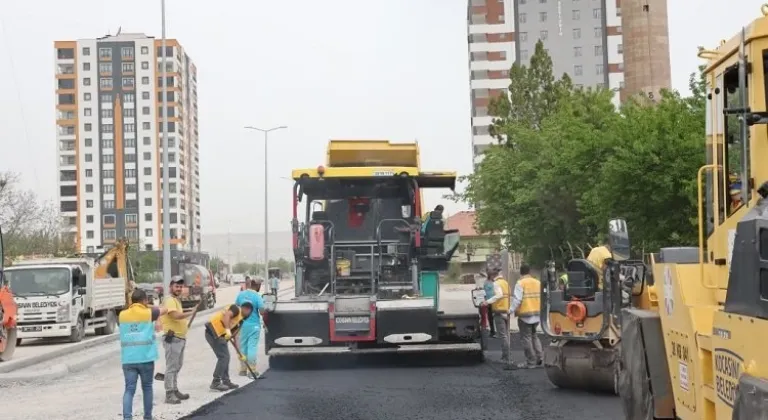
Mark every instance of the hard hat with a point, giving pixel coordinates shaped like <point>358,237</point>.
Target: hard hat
<point>177,279</point>
<point>735,191</point>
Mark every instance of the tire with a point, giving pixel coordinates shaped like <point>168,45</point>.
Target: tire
<point>111,324</point>
<point>18,342</point>
<point>78,332</point>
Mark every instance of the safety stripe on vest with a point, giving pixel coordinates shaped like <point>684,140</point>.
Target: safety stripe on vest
<point>136,343</point>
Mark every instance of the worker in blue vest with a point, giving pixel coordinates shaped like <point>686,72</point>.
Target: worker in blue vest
<point>251,329</point>
<point>138,350</point>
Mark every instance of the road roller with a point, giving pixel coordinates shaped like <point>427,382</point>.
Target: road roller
<point>581,317</point>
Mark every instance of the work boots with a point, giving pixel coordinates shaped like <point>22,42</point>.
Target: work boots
<point>180,395</point>
<point>229,384</point>
<point>171,398</point>
<point>217,385</point>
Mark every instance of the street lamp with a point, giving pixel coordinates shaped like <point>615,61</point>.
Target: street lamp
<point>166,187</point>
<point>266,195</point>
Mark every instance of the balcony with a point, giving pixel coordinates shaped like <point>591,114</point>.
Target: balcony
<point>65,130</point>
<point>65,69</point>
<point>67,175</point>
<point>67,145</point>
<point>68,160</point>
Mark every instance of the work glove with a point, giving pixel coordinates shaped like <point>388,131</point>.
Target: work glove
<point>227,334</point>
<point>243,358</point>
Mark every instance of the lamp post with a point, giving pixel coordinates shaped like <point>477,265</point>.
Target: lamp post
<point>166,187</point>
<point>266,195</point>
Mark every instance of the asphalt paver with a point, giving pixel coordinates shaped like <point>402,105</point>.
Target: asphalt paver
<point>414,387</point>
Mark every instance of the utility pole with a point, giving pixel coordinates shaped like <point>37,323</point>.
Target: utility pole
<point>266,195</point>
<point>166,187</point>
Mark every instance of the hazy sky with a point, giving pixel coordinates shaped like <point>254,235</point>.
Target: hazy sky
<point>344,69</point>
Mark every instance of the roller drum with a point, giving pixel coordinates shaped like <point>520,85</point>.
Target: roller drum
<point>582,366</point>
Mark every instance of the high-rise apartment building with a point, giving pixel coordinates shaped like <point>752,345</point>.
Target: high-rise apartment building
<point>587,39</point>
<point>109,140</point>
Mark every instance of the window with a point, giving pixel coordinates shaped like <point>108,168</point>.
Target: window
<point>88,142</point>
<point>147,171</point>
<point>89,234</point>
<point>598,32</point>
<point>107,144</point>
<point>598,50</point>
<point>128,68</point>
<point>127,52</point>
<point>105,52</point>
<point>130,158</point>
<point>523,56</point>
<point>148,233</point>
<point>523,38</point>
<point>145,110</point>
<point>88,157</point>
<point>145,65</point>
<point>542,16</point>
<point>105,83</point>
<point>147,201</point>
<point>523,17</point>
<point>145,80</point>
<point>172,141</point>
<point>89,218</point>
<point>146,126</point>
<point>618,11</point>
<point>129,98</point>
<point>108,174</point>
<point>129,112</point>
<point>144,95</point>
<point>86,96</point>
<point>621,84</point>
<point>87,112</point>
<point>620,48</point>
<point>597,13</point>
<point>86,51</point>
<point>105,68</point>
<point>544,35</point>
<point>599,69</point>
<point>106,98</point>
<point>132,233</point>
<point>110,234</point>
<point>110,219</point>
<point>147,156</point>
<point>107,128</point>
<point>88,173</point>
<point>131,219</point>
<point>577,51</point>
<point>86,81</point>
<point>129,143</point>
<point>147,141</point>
<point>89,204</point>
<point>128,82</point>
<point>106,113</point>
<point>144,50</point>
<point>88,127</point>
<point>172,203</point>
<point>577,33</point>
<point>109,204</point>
<point>107,158</point>
<point>130,173</point>
<point>86,66</point>
<point>147,186</point>
<point>578,70</point>
<point>88,187</point>
<point>576,14</point>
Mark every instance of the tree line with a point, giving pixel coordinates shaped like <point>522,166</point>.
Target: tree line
<point>566,161</point>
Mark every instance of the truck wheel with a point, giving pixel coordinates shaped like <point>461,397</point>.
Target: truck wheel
<point>78,332</point>
<point>18,342</point>
<point>109,328</point>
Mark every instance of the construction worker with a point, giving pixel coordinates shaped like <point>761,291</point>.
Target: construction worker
<point>735,193</point>
<point>597,257</point>
<point>439,210</point>
<point>488,287</point>
<point>175,328</point>
<point>251,330</point>
<point>499,304</point>
<point>563,281</point>
<point>219,330</point>
<point>138,350</point>
<point>526,305</point>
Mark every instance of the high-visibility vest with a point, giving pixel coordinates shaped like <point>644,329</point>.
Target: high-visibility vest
<point>217,322</point>
<point>501,305</point>
<point>137,335</point>
<point>531,303</point>
<point>564,279</point>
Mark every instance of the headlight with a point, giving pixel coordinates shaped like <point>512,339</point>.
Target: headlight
<point>62,314</point>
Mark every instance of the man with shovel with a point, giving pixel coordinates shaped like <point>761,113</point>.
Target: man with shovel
<point>251,330</point>
<point>175,327</point>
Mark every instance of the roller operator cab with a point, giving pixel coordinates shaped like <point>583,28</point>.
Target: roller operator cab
<point>367,271</point>
<point>582,317</point>
<point>702,353</point>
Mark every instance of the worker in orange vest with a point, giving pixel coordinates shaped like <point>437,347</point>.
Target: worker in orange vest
<point>499,304</point>
<point>526,305</point>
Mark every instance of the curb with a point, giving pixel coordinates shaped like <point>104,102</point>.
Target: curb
<point>63,369</point>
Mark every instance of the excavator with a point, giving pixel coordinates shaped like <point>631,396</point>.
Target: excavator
<point>8,312</point>
<point>701,354</point>
<point>582,316</point>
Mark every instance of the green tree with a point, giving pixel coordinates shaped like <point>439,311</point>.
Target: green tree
<point>146,264</point>
<point>216,264</point>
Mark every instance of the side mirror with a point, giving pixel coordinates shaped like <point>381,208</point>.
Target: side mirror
<point>81,290</point>
<point>618,239</point>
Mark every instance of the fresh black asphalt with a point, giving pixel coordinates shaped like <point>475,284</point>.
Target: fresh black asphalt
<point>424,387</point>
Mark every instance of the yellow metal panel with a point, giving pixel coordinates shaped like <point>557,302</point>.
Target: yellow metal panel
<point>356,172</point>
<point>346,153</point>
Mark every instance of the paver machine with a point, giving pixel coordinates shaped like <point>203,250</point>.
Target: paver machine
<point>367,271</point>
<point>702,353</point>
<point>582,317</point>
<point>8,312</point>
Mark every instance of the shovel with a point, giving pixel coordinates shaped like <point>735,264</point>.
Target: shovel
<point>240,355</point>
<point>159,376</point>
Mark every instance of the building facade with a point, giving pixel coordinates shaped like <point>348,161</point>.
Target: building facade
<point>587,39</point>
<point>109,140</point>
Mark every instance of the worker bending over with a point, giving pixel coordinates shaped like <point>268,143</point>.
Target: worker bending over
<point>526,305</point>
<point>499,304</point>
<point>174,340</point>
<point>251,331</point>
<point>138,350</point>
<point>597,257</point>
<point>219,330</point>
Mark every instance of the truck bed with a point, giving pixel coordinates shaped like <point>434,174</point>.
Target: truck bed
<point>107,293</point>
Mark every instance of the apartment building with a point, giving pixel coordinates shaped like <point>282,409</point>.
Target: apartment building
<point>109,140</point>
<point>587,39</point>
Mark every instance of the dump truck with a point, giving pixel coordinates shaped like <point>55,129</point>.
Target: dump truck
<point>8,312</point>
<point>701,354</point>
<point>367,272</point>
<point>65,297</point>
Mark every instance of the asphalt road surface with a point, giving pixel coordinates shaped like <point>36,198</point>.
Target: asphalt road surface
<point>424,387</point>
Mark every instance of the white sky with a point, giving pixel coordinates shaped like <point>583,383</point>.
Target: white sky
<point>345,69</point>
